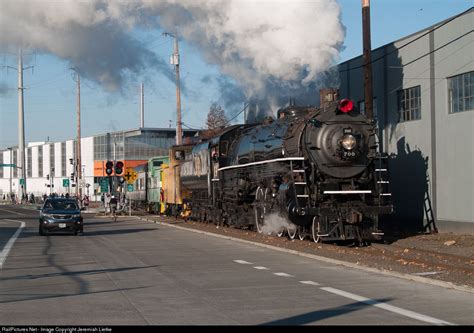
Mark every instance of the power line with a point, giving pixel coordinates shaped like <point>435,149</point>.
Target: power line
<point>439,48</point>
<point>229,121</point>
<point>414,40</point>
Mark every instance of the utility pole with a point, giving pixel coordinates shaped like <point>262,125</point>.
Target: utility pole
<point>21,128</point>
<point>142,107</point>
<point>78,164</point>
<point>367,59</point>
<point>175,61</point>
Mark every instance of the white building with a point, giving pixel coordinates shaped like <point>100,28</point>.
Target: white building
<point>50,168</point>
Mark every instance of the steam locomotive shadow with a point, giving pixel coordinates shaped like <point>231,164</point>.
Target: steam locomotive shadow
<point>410,193</point>
<point>311,317</point>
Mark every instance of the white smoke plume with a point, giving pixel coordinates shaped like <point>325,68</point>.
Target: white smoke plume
<point>267,47</point>
<point>274,223</point>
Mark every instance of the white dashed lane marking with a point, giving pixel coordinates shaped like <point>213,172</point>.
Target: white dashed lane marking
<point>372,302</point>
<point>283,274</point>
<point>243,262</point>
<point>387,307</point>
<point>312,283</point>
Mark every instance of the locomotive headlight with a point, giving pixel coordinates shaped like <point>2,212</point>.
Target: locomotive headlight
<point>348,142</point>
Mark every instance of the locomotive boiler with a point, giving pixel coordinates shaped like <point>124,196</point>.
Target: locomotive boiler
<point>317,167</point>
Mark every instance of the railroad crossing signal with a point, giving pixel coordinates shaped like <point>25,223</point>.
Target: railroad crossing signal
<point>130,175</point>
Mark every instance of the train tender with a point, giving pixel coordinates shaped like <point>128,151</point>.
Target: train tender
<point>317,167</point>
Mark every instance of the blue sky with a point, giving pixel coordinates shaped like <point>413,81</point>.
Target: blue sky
<point>50,100</point>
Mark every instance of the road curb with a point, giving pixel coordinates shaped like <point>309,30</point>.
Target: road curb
<point>404,276</point>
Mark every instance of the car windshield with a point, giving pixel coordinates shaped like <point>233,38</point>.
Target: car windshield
<point>60,205</point>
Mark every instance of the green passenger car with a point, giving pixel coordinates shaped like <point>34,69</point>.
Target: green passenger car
<point>154,193</point>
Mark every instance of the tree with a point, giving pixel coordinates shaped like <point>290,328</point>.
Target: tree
<point>216,120</point>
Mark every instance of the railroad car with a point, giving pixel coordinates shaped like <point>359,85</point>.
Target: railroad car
<point>154,183</point>
<point>173,193</point>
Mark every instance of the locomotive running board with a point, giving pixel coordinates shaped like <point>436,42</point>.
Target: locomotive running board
<point>262,162</point>
<point>348,192</point>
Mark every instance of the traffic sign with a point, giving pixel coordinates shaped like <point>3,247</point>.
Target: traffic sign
<point>22,181</point>
<point>65,182</point>
<point>7,165</point>
<point>130,188</point>
<point>104,185</point>
<point>130,175</point>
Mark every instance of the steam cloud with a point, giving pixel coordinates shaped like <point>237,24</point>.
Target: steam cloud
<point>269,48</point>
<point>275,223</point>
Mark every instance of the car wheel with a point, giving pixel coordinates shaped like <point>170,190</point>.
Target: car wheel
<point>41,232</point>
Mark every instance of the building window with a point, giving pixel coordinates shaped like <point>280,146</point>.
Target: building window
<point>1,162</point>
<point>409,104</point>
<point>29,164</point>
<point>40,161</point>
<point>15,161</point>
<point>361,106</point>
<point>461,92</point>
<point>63,159</point>
<point>51,160</point>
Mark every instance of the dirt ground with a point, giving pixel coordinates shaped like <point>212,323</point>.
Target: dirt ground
<point>442,256</point>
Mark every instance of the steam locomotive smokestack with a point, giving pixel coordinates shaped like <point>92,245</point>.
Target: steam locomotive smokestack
<point>327,96</point>
<point>367,59</point>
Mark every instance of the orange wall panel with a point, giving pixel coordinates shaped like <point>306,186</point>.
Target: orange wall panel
<point>99,166</point>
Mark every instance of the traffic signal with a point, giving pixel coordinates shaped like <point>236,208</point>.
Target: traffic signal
<point>72,176</point>
<point>47,177</point>
<point>118,168</point>
<point>109,167</point>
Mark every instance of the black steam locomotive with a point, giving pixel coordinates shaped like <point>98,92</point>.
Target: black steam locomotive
<point>316,167</point>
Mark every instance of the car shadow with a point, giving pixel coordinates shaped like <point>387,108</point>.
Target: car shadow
<point>115,232</point>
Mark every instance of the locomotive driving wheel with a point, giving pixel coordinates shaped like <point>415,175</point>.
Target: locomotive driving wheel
<point>315,229</point>
<point>291,230</point>
<point>301,232</point>
<point>259,209</point>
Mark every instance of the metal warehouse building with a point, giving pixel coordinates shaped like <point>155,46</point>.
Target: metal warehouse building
<point>48,163</point>
<point>424,107</point>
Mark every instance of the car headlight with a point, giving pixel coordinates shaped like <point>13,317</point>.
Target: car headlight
<point>348,142</point>
<point>76,216</point>
<point>48,216</point>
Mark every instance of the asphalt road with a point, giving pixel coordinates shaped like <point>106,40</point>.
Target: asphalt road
<point>133,272</point>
